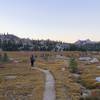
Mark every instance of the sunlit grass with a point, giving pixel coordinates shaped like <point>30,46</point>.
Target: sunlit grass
<point>31,82</point>
<point>28,82</point>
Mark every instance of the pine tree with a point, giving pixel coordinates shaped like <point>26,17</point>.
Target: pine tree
<point>0,58</point>
<point>5,57</point>
<point>73,65</point>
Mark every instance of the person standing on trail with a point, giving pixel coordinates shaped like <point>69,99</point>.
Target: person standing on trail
<point>32,59</point>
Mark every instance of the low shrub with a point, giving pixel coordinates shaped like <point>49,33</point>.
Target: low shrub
<point>73,65</point>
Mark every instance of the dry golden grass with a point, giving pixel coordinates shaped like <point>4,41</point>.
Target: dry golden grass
<point>28,83</point>
<point>66,87</point>
<point>89,75</point>
<point>31,82</point>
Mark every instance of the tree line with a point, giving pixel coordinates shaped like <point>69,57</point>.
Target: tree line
<point>11,45</point>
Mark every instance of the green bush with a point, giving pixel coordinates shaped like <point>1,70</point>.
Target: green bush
<point>73,65</point>
<point>5,58</point>
<point>0,58</point>
<point>46,57</point>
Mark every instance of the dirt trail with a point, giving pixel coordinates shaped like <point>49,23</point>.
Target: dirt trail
<point>49,93</point>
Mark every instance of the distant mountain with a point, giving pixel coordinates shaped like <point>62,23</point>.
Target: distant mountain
<point>84,42</point>
<point>87,45</point>
<point>9,42</point>
<point>8,36</point>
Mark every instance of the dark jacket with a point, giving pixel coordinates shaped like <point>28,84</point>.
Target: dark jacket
<point>32,58</point>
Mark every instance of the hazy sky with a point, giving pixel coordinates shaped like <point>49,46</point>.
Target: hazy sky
<point>66,20</point>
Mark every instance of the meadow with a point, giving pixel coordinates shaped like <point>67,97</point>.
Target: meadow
<point>18,81</point>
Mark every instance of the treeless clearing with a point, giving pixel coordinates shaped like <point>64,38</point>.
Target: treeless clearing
<point>29,84</point>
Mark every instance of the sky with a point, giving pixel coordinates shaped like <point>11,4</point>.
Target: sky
<point>65,20</point>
